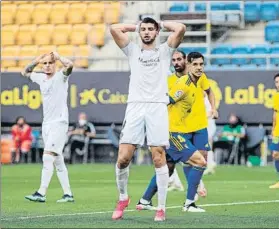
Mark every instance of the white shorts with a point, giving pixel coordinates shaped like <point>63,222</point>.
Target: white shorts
<point>211,128</point>
<point>55,136</point>
<point>150,119</point>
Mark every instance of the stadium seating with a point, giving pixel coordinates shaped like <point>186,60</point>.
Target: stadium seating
<point>252,11</point>
<point>41,13</point>
<point>232,5</point>
<point>272,31</point>
<point>97,35</point>
<point>179,7</point>
<point>269,11</point>
<point>217,6</point>
<point>24,13</point>
<point>76,13</point>
<point>58,14</point>
<point>14,69</point>
<point>259,49</point>
<point>201,6</point>
<point>240,50</point>
<point>97,17</point>
<point>46,49</point>
<point>202,50</point>
<point>43,34</point>
<point>112,12</point>
<point>61,34</point>
<point>27,51</point>
<point>82,51</point>
<point>9,51</point>
<point>25,34</point>
<point>66,50</point>
<point>8,13</point>
<point>79,34</point>
<point>8,34</point>
<point>274,50</point>
<point>222,49</point>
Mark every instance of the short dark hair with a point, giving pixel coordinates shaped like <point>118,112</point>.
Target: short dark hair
<point>20,117</point>
<point>194,55</point>
<point>151,21</point>
<point>277,75</point>
<point>182,53</point>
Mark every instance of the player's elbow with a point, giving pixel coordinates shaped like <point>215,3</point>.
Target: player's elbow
<point>114,28</point>
<point>182,29</point>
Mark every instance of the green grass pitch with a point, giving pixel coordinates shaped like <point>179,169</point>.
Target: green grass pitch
<point>234,199</point>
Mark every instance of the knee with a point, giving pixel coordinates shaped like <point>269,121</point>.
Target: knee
<point>204,154</point>
<point>48,161</point>
<point>158,157</point>
<point>60,164</point>
<point>199,160</point>
<point>123,162</point>
<point>275,155</point>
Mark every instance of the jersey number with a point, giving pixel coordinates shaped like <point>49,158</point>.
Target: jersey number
<point>181,139</point>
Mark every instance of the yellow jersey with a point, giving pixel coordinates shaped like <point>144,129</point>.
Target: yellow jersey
<point>197,118</point>
<point>276,109</point>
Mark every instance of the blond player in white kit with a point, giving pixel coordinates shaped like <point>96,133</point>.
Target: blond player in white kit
<point>54,91</point>
<point>146,112</point>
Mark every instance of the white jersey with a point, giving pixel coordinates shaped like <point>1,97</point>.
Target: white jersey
<point>211,128</point>
<point>54,92</point>
<point>149,72</point>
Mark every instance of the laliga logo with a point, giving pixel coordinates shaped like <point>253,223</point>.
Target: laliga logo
<point>217,92</point>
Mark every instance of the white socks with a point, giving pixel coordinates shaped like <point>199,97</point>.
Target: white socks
<point>47,172</point>
<point>162,179</point>
<point>62,174</point>
<point>122,176</point>
<point>48,166</point>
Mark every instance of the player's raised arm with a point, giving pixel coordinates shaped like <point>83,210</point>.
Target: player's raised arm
<point>211,98</point>
<point>30,67</point>
<point>68,64</point>
<point>178,31</point>
<point>119,33</point>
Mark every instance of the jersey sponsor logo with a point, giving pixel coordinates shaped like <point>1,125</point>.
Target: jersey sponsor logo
<point>149,62</point>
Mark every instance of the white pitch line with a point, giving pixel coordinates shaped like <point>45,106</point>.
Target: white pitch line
<point>133,210</point>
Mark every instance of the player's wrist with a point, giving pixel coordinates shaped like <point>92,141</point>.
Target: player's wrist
<point>137,29</point>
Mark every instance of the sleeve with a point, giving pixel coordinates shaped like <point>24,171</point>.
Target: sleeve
<point>36,77</point>
<point>27,133</point>
<point>129,48</point>
<point>92,128</point>
<point>276,102</point>
<point>205,85</point>
<point>177,92</point>
<point>242,130</point>
<point>62,77</point>
<point>14,132</point>
<point>167,50</point>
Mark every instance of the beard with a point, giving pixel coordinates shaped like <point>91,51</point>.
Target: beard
<point>179,68</point>
<point>149,41</point>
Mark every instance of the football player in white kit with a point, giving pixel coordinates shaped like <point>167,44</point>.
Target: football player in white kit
<point>211,129</point>
<point>146,112</point>
<point>54,90</point>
